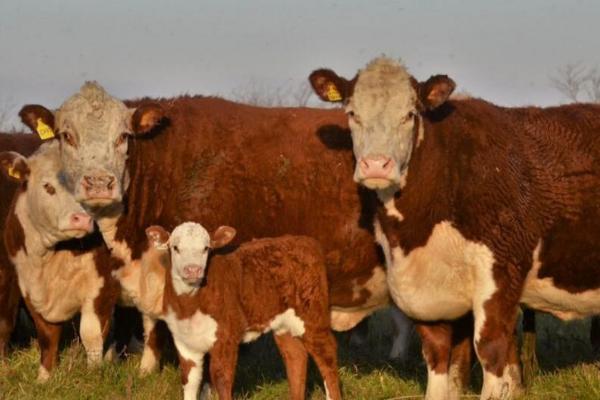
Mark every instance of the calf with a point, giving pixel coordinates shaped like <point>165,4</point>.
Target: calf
<point>480,208</point>
<point>56,284</point>
<point>212,302</point>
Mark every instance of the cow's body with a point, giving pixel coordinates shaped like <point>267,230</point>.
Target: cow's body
<point>482,208</point>
<point>9,290</point>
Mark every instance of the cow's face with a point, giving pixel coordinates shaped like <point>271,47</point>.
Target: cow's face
<point>189,245</point>
<point>92,128</point>
<point>51,209</point>
<point>384,105</point>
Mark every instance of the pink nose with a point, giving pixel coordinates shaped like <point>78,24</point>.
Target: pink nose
<point>193,271</point>
<point>376,167</point>
<point>81,221</point>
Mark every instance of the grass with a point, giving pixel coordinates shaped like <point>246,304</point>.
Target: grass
<point>569,371</point>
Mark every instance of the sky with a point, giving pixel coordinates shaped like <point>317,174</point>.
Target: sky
<point>504,51</point>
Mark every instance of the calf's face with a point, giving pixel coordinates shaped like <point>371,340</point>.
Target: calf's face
<point>49,206</point>
<point>93,129</point>
<point>189,245</point>
<point>384,105</point>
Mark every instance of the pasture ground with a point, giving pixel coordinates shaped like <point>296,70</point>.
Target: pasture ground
<point>569,370</point>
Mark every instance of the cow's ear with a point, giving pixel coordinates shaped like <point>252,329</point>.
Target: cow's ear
<point>331,87</point>
<point>158,237</point>
<point>435,91</point>
<point>39,119</point>
<point>14,166</point>
<point>146,117</point>
<point>222,236</point>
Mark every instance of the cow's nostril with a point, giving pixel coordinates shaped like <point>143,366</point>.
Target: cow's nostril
<point>111,182</point>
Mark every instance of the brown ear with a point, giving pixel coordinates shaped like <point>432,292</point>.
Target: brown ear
<point>222,236</point>
<point>157,236</point>
<point>39,119</point>
<point>146,117</point>
<point>435,91</point>
<point>331,87</point>
<point>14,166</point>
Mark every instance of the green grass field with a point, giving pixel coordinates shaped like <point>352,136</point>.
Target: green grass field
<point>569,371</point>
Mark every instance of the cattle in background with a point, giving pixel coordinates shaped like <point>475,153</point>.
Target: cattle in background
<point>480,208</point>
<point>211,160</point>
<point>9,290</point>
<point>56,283</point>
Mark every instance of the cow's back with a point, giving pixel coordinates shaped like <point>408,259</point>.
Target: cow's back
<point>267,172</point>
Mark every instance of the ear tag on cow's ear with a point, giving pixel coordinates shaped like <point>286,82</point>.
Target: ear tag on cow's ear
<point>332,93</point>
<point>13,172</point>
<point>44,130</point>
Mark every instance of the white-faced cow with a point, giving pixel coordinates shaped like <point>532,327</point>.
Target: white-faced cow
<point>55,284</point>
<point>213,302</point>
<point>210,160</point>
<point>480,208</point>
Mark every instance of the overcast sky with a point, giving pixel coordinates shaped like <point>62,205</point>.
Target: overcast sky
<point>504,51</point>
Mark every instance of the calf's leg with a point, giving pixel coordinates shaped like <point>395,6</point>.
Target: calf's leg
<point>322,347</point>
<point>152,344</point>
<point>191,365</point>
<point>295,358</point>
<point>48,336</point>
<point>223,360</point>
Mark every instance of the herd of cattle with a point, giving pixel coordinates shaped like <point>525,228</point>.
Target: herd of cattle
<point>457,210</point>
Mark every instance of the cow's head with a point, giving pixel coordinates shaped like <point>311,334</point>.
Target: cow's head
<point>384,104</point>
<point>92,128</point>
<point>189,245</point>
<point>50,208</point>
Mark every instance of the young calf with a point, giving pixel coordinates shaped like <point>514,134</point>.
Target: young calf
<point>56,284</point>
<point>277,285</point>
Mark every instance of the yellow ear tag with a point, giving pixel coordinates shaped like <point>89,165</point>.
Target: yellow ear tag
<point>44,130</point>
<point>13,172</point>
<point>332,93</point>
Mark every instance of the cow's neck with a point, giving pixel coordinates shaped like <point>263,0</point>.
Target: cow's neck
<point>107,223</point>
<point>178,295</point>
<point>38,242</point>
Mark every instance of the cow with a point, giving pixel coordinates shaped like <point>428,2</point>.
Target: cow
<point>56,283</point>
<point>9,290</point>
<point>480,208</point>
<point>195,158</point>
<point>212,302</point>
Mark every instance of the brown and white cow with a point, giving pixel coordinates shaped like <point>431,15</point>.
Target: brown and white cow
<point>213,302</point>
<point>210,160</point>
<point>481,208</point>
<point>56,284</point>
<point>9,289</point>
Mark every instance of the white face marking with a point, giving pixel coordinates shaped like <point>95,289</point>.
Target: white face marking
<point>287,322</point>
<point>189,244</point>
<point>542,294</point>
<point>384,104</point>
<point>95,123</point>
<point>436,281</point>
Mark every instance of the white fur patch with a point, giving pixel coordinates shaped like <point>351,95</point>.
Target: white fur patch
<point>90,331</point>
<point>436,281</point>
<point>376,285</point>
<point>148,362</point>
<point>43,374</point>
<point>437,386</point>
<point>198,333</point>
<point>387,198</point>
<point>504,387</point>
<point>542,294</point>
<point>287,322</point>
<point>251,336</point>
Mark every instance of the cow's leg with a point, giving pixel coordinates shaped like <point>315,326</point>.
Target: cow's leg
<point>151,353</point>
<point>48,336</point>
<point>595,335</point>
<point>495,308</point>
<point>528,356</point>
<point>459,372</point>
<point>322,347</point>
<point>191,365</point>
<point>295,359</point>
<point>223,361</point>
<point>436,341</point>
<point>404,327</point>
<point>9,306</point>
<point>90,330</point>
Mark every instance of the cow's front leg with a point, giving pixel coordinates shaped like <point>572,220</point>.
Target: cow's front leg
<point>190,365</point>
<point>48,336</point>
<point>495,308</point>
<point>223,361</point>
<point>151,352</point>
<point>90,330</point>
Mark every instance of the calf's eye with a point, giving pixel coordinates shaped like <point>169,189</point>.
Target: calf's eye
<point>176,249</point>
<point>49,188</point>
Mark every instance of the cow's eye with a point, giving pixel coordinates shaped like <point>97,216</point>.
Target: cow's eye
<point>350,114</point>
<point>176,249</point>
<point>68,138</point>
<point>49,188</point>
<point>121,139</point>
<point>206,248</point>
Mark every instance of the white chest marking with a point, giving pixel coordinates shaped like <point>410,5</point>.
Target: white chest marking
<point>198,333</point>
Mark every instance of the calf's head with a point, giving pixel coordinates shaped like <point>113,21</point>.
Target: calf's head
<point>384,104</point>
<point>189,245</point>
<point>93,129</point>
<point>52,210</point>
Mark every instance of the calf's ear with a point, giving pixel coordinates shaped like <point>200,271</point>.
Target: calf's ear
<point>158,237</point>
<point>15,166</point>
<point>39,119</point>
<point>331,87</point>
<point>222,236</point>
<point>435,91</point>
<point>145,118</point>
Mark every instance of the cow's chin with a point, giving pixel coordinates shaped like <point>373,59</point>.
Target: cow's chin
<point>377,183</point>
<point>74,233</point>
<point>99,202</point>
